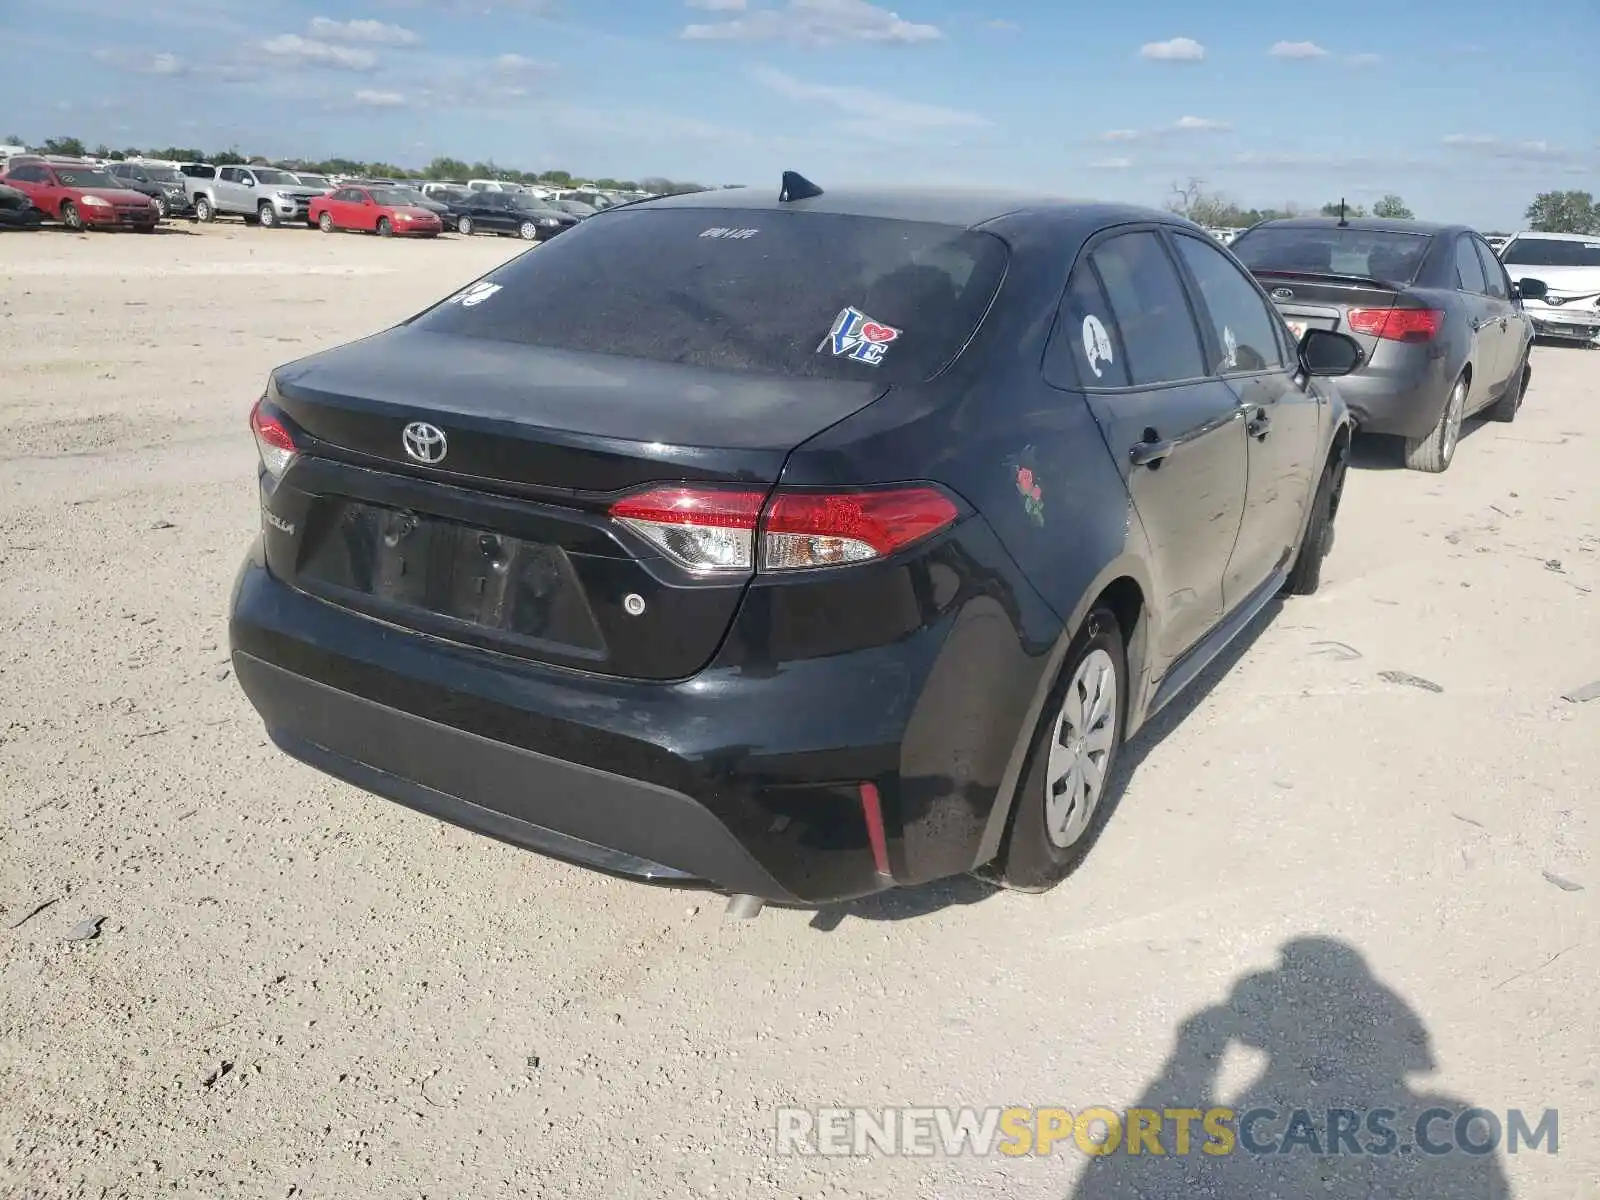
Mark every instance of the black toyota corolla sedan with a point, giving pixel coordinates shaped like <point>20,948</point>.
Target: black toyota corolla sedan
<point>797,546</point>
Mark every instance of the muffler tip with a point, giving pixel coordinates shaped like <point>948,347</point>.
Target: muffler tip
<point>743,908</point>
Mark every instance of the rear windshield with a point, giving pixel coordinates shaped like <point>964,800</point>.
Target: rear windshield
<point>1329,250</point>
<point>1551,252</point>
<point>809,294</point>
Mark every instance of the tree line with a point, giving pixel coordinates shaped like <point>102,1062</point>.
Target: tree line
<point>1550,212</point>
<point>439,168</point>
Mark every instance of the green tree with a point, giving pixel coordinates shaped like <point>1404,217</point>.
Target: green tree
<point>15,139</point>
<point>1394,208</point>
<point>69,146</point>
<point>447,168</point>
<point>559,178</point>
<point>1564,212</point>
<point>1331,209</point>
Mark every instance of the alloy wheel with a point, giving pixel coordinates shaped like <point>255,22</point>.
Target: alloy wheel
<point>1080,750</point>
<point>1452,418</point>
<point>529,231</point>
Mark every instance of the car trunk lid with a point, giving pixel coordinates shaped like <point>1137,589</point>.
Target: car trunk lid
<point>1325,301</point>
<point>504,539</point>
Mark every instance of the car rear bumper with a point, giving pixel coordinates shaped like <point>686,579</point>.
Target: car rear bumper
<point>738,780</point>
<point>1401,391</point>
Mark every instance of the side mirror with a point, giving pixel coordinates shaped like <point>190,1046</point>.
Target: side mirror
<point>1531,289</point>
<point>1326,353</point>
<point>248,182</point>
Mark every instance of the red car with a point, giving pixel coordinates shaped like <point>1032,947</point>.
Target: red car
<point>384,211</point>
<point>82,196</point>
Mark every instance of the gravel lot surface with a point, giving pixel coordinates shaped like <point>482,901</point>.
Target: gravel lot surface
<point>298,990</point>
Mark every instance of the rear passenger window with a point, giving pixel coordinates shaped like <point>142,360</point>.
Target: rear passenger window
<point>1244,333</point>
<point>1149,309</point>
<point>1469,271</point>
<point>1493,273</point>
<point>1084,350</point>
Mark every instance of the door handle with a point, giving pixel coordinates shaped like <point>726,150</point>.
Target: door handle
<point>1259,425</point>
<point>1152,451</point>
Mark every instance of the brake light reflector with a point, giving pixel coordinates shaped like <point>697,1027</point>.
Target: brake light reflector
<point>1397,324</point>
<point>802,530</point>
<point>273,442</point>
<point>703,529</point>
<point>715,530</point>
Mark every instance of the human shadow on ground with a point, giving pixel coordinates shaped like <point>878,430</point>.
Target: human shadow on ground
<point>1339,1045</point>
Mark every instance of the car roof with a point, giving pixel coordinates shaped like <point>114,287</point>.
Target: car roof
<point>1558,237</point>
<point>1364,224</point>
<point>963,207</point>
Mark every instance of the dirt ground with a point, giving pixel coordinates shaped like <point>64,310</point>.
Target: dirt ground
<point>1388,887</point>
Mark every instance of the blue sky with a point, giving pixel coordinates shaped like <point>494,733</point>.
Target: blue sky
<point>1460,107</point>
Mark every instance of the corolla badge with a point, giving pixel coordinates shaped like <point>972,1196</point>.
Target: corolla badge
<point>425,443</point>
<point>1282,294</point>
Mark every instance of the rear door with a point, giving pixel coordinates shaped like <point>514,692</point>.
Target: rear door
<point>1497,288</point>
<point>1488,333</point>
<point>1127,332</point>
<point>1282,418</point>
<point>32,180</point>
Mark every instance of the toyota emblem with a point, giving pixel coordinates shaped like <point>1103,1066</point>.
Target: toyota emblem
<point>1282,294</point>
<point>425,443</point>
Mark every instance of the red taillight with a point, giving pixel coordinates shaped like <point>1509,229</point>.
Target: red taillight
<point>273,441</point>
<point>1396,324</point>
<point>824,529</point>
<point>718,530</point>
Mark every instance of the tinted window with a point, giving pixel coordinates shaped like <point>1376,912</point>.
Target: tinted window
<point>1493,273</point>
<point>27,174</point>
<point>1469,271</point>
<point>1552,252</point>
<point>809,294</point>
<point>1244,331</point>
<point>1329,250</point>
<point>84,177</point>
<point>1153,324</point>
<point>1078,352</point>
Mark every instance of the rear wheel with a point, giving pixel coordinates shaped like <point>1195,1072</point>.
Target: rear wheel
<point>70,217</point>
<point>1505,408</point>
<point>1435,452</point>
<point>1306,574</point>
<point>325,222</point>
<point>267,215</point>
<point>464,226</point>
<point>384,228</point>
<point>1060,806</point>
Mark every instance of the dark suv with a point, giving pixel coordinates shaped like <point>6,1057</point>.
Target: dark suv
<point>162,184</point>
<point>799,548</point>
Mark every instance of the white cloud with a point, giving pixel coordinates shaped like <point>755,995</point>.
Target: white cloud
<point>1470,139</point>
<point>1112,164</point>
<point>502,84</point>
<point>1297,50</point>
<point>871,114</point>
<point>1511,148</point>
<point>142,63</point>
<point>1181,125</point>
<point>1001,25</point>
<point>292,49</point>
<point>370,98</point>
<point>817,23</point>
<point>718,5</point>
<point>374,33</point>
<point>1179,49</point>
<point>1363,60</point>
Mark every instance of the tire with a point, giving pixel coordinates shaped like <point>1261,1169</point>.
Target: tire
<point>1505,409</point>
<point>151,228</point>
<point>203,211</point>
<point>1437,450</point>
<point>384,228</point>
<point>464,226</point>
<point>161,208</point>
<point>528,231</point>
<point>70,216</point>
<point>325,222</point>
<point>1050,833</point>
<point>267,215</point>
<point>1306,574</point>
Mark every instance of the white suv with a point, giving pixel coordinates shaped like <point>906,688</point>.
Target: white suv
<point>1569,265</point>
